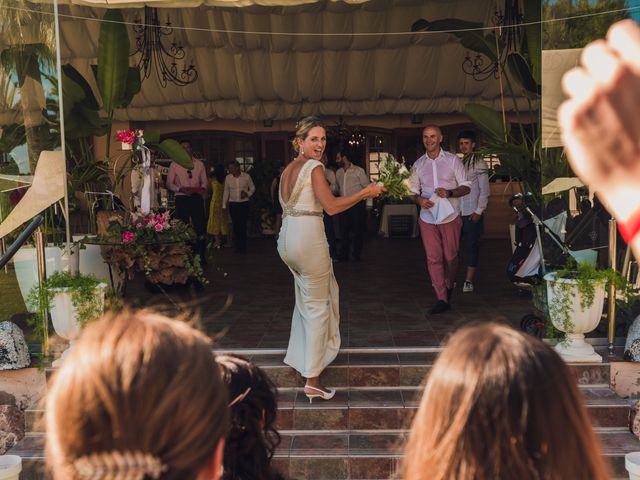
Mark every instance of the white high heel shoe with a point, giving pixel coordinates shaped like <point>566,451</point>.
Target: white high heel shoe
<point>325,395</point>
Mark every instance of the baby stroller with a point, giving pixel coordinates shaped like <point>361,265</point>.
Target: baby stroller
<point>527,266</point>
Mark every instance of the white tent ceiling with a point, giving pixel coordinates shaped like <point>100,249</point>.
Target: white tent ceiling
<point>275,75</point>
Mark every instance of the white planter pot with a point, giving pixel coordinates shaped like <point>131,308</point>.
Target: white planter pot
<point>90,260</point>
<point>10,467</point>
<point>575,349</point>
<point>632,464</point>
<point>65,319</point>
<point>26,266</point>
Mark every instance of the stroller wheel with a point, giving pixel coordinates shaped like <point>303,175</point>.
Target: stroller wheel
<point>532,325</point>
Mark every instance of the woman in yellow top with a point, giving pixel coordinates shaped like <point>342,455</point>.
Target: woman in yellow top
<point>218,224</point>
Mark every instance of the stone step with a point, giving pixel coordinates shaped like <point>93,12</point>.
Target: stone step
<point>389,368</point>
<point>382,367</point>
<point>387,409</point>
<point>338,454</point>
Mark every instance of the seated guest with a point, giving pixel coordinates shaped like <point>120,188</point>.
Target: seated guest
<point>139,397</point>
<point>252,438</point>
<point>500,404</point>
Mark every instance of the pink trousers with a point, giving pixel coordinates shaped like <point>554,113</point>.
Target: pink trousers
<point>441,244</point>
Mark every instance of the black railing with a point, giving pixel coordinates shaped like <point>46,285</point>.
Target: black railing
<point>22,238</point>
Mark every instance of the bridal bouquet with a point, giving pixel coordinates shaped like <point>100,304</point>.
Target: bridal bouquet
<point>395,177</point>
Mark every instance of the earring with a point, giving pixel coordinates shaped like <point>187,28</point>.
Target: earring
<point>301,151</point>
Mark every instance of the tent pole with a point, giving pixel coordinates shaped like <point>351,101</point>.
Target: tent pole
<point>56,23</point>
<point>612,285</point>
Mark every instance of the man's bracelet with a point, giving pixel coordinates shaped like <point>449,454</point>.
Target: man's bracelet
<point>631,227</point>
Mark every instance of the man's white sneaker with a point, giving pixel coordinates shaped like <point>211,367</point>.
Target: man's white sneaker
<point>467,287</point>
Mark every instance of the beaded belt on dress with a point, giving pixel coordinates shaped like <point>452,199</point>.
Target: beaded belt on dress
<point>299,213</point>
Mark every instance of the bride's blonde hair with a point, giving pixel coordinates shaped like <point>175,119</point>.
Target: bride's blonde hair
<point>141,393</point>
<point>302,130</point>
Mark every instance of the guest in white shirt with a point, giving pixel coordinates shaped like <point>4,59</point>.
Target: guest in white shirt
<point>438,182</point>
<point>238,189</point>
<point>329,229</point>
<point>473,205</point>
<point>351,179</point>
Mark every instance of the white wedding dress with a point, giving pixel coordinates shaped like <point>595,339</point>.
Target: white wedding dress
<point>302,245</point>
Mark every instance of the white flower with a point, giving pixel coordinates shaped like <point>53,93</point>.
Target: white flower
<point>403,169</point>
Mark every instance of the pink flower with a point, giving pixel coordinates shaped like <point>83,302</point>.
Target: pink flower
<point>126,136</point>
<point>158,227</point>
<point>128,237</point>
<point>138,225</point>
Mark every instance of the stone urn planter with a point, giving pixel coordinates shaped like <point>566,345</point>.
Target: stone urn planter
<point>72,300</point>
<point>572,311</point>
<point>66,317</point>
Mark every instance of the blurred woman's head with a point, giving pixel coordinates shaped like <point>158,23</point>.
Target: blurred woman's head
<point>501,404</point>
<point>219,173</point>
<point>252,437</point>
<point>138,391</point>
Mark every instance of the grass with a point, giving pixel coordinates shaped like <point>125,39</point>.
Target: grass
<point>12,301</point>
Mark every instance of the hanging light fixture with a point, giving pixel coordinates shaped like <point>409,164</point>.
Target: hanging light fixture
<point>509,32</point>
<point>155,55</point>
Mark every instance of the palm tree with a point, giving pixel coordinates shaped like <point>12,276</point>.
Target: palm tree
<point>27,49</point>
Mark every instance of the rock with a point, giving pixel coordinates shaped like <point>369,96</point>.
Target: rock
<point>11,427</point>
<point>632,335</point>
<point>634,419</point>
<point>14,353</point>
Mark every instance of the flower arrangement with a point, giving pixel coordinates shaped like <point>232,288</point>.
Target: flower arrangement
<point>395,177</point>
<point>155,244</point>
<point>130,139</point>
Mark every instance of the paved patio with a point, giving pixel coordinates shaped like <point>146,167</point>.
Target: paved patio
<point>383,299</point>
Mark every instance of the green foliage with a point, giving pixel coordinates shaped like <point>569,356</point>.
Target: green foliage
<point>578,32</point>
<point>113,61</point>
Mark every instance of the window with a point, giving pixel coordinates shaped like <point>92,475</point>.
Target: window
<point>244,153</point>
<point>377,146</point>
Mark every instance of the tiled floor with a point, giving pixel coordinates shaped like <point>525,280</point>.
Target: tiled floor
<point>383,299</point>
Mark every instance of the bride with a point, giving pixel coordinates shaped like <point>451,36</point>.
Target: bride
<point>302,245</point>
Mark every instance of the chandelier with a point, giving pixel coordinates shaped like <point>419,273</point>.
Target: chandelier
<point>347,134</point>
<point>509,33</point>
<point>155,55</point>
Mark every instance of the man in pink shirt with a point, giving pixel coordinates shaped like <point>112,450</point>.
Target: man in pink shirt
<point>439,181</point>
<point>189,187</point>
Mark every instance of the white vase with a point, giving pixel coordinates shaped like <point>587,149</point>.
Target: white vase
<point>632,464</point>
<point>91,261</point>
<point>10,467</point>
<point>65,318</point>
<point>574,348</point>
<point>25,263</point>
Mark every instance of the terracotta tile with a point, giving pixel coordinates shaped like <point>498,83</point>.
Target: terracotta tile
<point>374,376</point>
<point>320,445</point>
<point>320,419</point>
<point>371,468</point>
<point>375,418</point>
<point>379,398</point>
<point>365,444</point>
<point>413,376</point>
<point>281,465</point>
<point>318,468</point>
<point>284,419</point>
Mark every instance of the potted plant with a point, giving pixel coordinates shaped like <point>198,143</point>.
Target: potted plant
<point>575,299</point>
<point>72,299</point>
<point>154,244</point>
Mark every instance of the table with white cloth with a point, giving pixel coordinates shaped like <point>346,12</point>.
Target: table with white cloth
<point>389,210</point>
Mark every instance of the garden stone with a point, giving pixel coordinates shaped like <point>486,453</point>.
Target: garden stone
<point>14,353</point>
<point>11,427</point>
<point>633,335</point>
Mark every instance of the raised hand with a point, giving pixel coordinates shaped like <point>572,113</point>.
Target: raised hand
<point>600,122</point>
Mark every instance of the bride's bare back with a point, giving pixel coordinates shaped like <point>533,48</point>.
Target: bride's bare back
<point>288,179</point>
